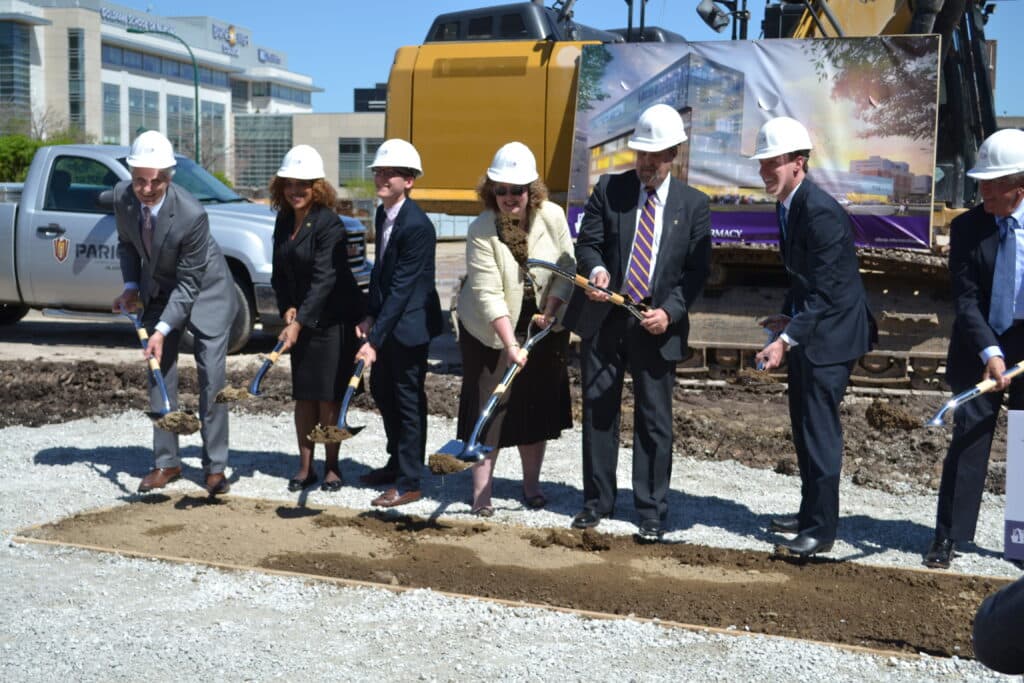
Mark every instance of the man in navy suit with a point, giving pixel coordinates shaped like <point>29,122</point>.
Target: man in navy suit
<point>825,326</point>
<point>403,314</point>
<point>986,264</point>
<point>647,235</point>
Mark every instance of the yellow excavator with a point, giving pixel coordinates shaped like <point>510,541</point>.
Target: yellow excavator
<point>487,75</point>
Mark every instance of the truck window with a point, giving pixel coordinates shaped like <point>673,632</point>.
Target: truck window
<point>512,26</point>
<point>446,31</point>
<point>75,182</point>
<point>479,28</point>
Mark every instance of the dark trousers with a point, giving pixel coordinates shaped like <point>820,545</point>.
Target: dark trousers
<point>620,345</point>
<point>966,463</point>
<point>397,385</point>
<point>211,366</point>
<point>997,630</point>
<point>815,392</point>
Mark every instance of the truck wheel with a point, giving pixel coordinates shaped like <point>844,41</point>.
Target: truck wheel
<point>12,313</point>
<point>241,326</point>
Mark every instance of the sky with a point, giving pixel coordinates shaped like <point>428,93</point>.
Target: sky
<point>347,44</point>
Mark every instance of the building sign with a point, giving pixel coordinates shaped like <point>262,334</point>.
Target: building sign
<point>268,57</point>
<point>121,18</point>
<point>230,39</point>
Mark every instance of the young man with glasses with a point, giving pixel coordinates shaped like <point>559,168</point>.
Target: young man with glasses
<point>403,314</point>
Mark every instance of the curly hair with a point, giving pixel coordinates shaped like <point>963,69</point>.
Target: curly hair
<point>537,190</point>
<point>323,194</point>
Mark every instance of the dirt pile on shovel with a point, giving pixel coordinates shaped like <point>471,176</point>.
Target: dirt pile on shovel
<point>179,422</point>
<point>442,463</point>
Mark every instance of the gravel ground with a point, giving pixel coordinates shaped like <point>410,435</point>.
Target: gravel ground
<point>93,616</point>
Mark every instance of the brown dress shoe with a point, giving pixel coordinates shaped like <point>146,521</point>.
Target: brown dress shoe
<point>217,484</point>
<point>392,497</point>
<point>159,478</point>
<point>379,477</point>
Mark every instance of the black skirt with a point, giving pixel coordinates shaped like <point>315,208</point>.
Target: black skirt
<point>536,407</point>
<point>321,364</point>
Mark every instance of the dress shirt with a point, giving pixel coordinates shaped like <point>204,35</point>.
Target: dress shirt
<point>1018,302</point>
<point>389,223</point>
<point>154,211</point>
<point>660,197</point>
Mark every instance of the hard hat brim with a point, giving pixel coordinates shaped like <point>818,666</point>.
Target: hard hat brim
<point>992,174</point>
<point>644,146</point>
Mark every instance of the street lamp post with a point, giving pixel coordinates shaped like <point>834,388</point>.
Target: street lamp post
<point>195,76</point>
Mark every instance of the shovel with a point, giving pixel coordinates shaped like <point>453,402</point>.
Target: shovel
<point>635,309</point>
<point>176,421</point>
<point>229,394</point>
<point>456,456</point>
<point>977,390</point>
<point>343,430</point>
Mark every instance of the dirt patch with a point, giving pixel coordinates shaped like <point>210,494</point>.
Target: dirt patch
<point>885,446</point>
<point>842,602</point>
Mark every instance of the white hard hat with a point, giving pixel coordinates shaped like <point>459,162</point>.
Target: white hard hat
<point>513,164</point>
<point>1000,155</point>
<point>302,162</point>
<point>397,153</point>
<point>781,135</point>
<point>659,127</point>
<point>151,150</point>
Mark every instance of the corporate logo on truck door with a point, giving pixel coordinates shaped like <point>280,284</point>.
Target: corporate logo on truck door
<point>61,248</point>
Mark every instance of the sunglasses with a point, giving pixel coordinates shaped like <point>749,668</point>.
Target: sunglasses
<point>502,190</point>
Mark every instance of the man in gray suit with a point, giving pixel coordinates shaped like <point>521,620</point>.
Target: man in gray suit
<point>647,235</point>
<point>174,270</point>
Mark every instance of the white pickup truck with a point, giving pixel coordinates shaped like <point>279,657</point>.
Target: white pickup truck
<point>58,241</point>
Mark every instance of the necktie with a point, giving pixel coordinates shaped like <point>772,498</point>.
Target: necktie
<point>1004,291</point>
<point>147,230</point>
<point>781,210</point>
<point>638,280</point>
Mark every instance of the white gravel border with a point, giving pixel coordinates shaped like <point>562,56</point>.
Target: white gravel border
<point>97,617</point>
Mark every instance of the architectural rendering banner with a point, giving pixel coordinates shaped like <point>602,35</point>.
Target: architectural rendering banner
<point>870,105</point>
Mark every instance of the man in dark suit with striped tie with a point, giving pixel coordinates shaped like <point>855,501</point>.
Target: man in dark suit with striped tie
<point>824,327</point>
<point>647,235</point>
<point>986,255</point>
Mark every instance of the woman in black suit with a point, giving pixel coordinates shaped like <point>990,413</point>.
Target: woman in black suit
<point>319,301</point>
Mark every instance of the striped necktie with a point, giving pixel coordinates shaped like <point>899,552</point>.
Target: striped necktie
<point>638,280</point>
<point>147,230</point>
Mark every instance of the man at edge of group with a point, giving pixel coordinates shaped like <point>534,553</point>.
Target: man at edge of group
<point>174,270</point>
<point>647,235</point>
<point>987,336</point>
<point>403,315</point>
<point>825,326</point>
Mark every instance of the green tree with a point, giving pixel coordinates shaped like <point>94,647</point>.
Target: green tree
<point>221,176</point>
<point>16,152</point>
<point>592,66</point>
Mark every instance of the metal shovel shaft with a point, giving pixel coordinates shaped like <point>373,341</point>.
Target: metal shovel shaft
<point>254,386</point>
<point>978,389</point>
<point>342,430</point>
<point>634,308</point>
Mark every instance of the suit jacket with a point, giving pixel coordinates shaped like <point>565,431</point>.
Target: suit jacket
<point>312,273</point>
<point>832,322</point>
<point>684,255</point>
<point>403,299</point>
<point>186,280</point>
<point>973,244</point>
<point>494,280</point>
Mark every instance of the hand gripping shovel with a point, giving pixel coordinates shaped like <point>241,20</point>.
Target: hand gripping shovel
<point>975,391</point>
<point>229,394</point>
<point>456,456</point>
<point>343,430</point>
<point>176,421</point>
<point>636,309</point>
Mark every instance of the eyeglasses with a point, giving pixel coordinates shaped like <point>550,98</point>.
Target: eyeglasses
<point>391,172</point>
<point>502,190</point>
<point>141,183</point>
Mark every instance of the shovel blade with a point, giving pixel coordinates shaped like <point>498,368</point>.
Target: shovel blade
<point>454,448</point>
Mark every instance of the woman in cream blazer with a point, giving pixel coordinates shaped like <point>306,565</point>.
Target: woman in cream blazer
<point>497,301</point>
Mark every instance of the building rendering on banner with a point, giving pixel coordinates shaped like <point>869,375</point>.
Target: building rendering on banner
<point>112,71</point>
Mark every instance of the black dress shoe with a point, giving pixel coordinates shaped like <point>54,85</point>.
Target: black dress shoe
<point>784,525</point>
<point>587,519</point>
<point>940,554</point>
<point>297,484</point>
<point>803,546</point>
<point>650,531</point>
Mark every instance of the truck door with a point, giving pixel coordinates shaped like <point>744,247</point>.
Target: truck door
<point>67,246</point>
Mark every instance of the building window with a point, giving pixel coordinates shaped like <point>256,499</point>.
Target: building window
<point>112,55</point>
<point>111,114</point>
<point>181,117</point>
<point>261,141</point>
<point>354,155</point>
<point>213,134</point>
<point>76,78</point>
<point>239,97</point>
<point>143,111</point>
<point>15,108</point>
